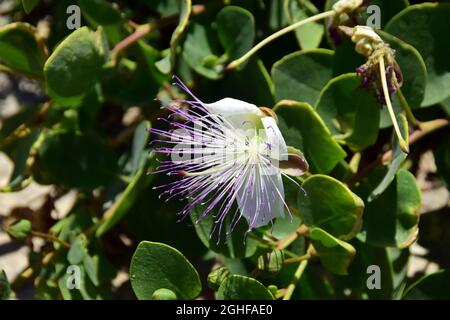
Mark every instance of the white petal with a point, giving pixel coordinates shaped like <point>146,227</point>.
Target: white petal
<point>240,114</point>
<point>272,206</point>
<point>274,137</point>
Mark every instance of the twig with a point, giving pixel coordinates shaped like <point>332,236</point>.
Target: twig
<point>50,237</point>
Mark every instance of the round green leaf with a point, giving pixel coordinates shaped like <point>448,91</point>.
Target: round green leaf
<point>199,51</point>
<point>235,34</point>
<point>351,114</point>
<point>310,35</point>
<point>20,49</point>
<point>392,219</point>
<point>303,129</point>
<point>78,161</point>
<point>424,26</point>
<point>433,286</point>
<point>236,31</point>
<point>336,255</point>
<point>331,206</point>
<point>156,266</point>
<point>300,76</point>
<point>238,287</point>
<point>74,66</point>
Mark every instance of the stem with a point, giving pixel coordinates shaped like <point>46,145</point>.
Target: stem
<point>402,142</point>
<point>298,274</point>
<point>234,64</point>
<point>285,242</point>
<point>50,237</point>
<point>405,106</point>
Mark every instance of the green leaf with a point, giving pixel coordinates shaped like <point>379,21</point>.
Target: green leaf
<point>89,164</point>
<point>91,266</point>
<point>235,30</point>
<point>237,287</point>
<point>29,5</point>
<point>20,49</point>
<point>202,46</point>
<point>156,265</point>
<point>433,286</point>
<point>310,35</point>
<point>232,245</point>
<point>350,113</point>
<point>303,129</point>
<point>301,75</point>
<point>331,206</point>
<point>199,47</point>
<point>392,219</point>
<point>283,227</point>
<point>413,69</point>
<point>100,12</point>
<point>19,230</point>
<point>74,66</point>
<point>423,26</point>
<point>71,226</point>
<point>77,250</point>
<point>336,255</point>
<point>5,290</point>
<point>398,156</point>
